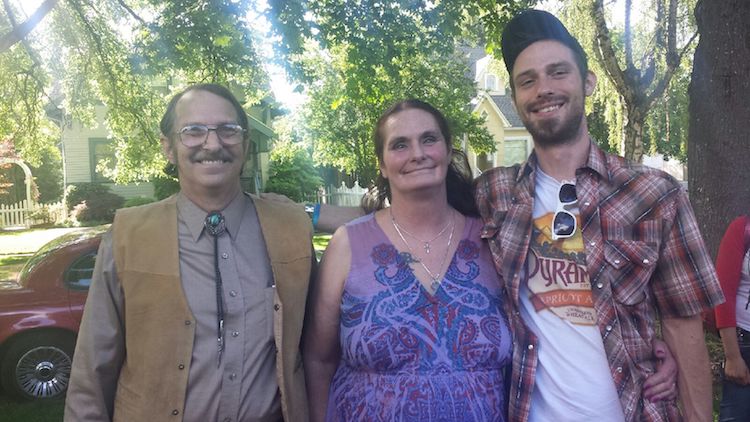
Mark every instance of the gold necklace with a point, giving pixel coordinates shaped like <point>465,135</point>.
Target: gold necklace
<point>435,278</point>
<point>425,243</point>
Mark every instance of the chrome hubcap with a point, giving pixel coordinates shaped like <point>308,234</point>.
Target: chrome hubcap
<point>43,372</point>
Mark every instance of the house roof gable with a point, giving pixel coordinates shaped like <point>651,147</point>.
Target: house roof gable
<point>503,106</point>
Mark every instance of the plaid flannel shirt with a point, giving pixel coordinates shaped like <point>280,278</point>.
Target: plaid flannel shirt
<point>644,255</point>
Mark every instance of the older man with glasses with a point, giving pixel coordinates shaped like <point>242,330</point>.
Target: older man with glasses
<point>196,306</point>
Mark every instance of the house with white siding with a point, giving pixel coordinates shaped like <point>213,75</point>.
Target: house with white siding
<point>494,104</point>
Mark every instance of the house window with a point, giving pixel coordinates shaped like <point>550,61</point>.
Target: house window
<point>490,82</point>
<point>101,149</point>
<point>514,151</point>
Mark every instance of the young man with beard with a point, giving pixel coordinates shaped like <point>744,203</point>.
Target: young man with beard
<point>594,252</point>
<point>196,306</point>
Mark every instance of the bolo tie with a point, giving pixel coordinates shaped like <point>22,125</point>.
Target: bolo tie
<point>216,226</point>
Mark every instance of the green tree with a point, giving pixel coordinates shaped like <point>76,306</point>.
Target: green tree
<point>642,75</point>
<point>667,124</point>
<point>48,176</point>
<point>358,57</point>
<point>127,57</point>
<point>292,172</point>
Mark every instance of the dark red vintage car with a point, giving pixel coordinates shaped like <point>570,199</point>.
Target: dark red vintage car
<point>40,313</point>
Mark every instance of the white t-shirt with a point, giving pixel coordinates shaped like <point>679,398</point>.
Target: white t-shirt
<point>573,380</point>
<point>743,295</point>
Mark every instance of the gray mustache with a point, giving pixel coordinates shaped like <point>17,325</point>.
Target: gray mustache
<point>210,156</point>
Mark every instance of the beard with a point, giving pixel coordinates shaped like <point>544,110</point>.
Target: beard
<point>552,132</point>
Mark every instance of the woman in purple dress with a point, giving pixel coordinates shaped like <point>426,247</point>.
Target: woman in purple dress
<point>406,318</point>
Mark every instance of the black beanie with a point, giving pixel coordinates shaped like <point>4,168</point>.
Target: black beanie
<point>531,26</point>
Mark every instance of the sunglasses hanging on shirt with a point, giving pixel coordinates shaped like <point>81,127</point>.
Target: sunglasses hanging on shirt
<point>564,222</point>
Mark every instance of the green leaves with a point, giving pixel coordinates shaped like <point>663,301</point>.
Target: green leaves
<point>358,57</point>
<point>129,56</point>
<point>292,172</point>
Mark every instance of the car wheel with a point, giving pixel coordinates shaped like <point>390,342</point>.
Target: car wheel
<point>38,366</point>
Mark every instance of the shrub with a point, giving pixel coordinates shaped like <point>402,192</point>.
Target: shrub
<point>41,215</point>
<point>48,176</point>
<point>165,187</point>
<point>138,200</point>
<point>99,209</point>
<point>292,172</point>
<point>83,192</point>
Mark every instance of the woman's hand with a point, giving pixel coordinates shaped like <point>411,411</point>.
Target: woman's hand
<point>662,385</point>
<point>735,370</point>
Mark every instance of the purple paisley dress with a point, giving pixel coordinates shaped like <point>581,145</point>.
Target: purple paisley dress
<point>407,355</point>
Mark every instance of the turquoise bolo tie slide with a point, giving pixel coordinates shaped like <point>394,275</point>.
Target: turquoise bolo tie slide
<point>214,223</point>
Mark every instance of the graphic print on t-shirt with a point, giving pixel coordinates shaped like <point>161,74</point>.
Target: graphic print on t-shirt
<point>558,280</point>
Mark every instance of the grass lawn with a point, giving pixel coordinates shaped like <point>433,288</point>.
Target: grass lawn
<point>10,265</point>
<point>37,411</point>
<point>320,241</point>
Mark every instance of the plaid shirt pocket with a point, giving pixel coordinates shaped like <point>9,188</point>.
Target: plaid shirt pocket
<point>631,264</point>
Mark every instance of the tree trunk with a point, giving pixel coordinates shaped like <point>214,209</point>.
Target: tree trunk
<point>719,138</point>
<point>632,138</point>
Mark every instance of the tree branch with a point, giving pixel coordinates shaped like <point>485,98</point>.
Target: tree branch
<point>663,82</point>
<point>672,55</point>
<point>20,32</point>
<point>607,53</point>
<point>628,35</point>
<point>132,13</point>
<point>14,24</point>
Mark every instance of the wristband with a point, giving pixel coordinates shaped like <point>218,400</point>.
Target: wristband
<point>313,210</point>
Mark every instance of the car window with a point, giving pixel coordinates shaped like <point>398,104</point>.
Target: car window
<point>78,275</point>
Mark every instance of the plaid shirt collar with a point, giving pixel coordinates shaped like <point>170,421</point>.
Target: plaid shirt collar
<point>596,162</point>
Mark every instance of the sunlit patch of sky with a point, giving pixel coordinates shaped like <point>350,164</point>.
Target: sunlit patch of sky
<point>282,89</point>
<point>639,10</point>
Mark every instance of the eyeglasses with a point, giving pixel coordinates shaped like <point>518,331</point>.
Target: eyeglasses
<point>196,135</point>
<point>564,222</point>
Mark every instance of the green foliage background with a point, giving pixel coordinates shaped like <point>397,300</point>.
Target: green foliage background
<point>129,57</point>
<point>292,172</point>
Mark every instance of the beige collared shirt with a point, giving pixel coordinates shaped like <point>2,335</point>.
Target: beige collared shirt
<point>242,385</point>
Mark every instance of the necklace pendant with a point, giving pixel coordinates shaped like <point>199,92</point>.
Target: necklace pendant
<point>426,247</point>
<point>435,284</point>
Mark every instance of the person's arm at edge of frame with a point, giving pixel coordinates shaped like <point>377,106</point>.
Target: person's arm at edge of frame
<point>100,348</point>
<point>326,218</point>
<point>729,269</point>
<point>321,348</point>
<point>332,217</point>
<point>685,266</point>
<point>685,336</point>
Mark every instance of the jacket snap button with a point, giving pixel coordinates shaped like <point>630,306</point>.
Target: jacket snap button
<point>276,307</point>
<point>175,412</point>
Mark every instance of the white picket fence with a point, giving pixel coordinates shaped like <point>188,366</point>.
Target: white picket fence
<point>19,214</point>
<point>342,195</point>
